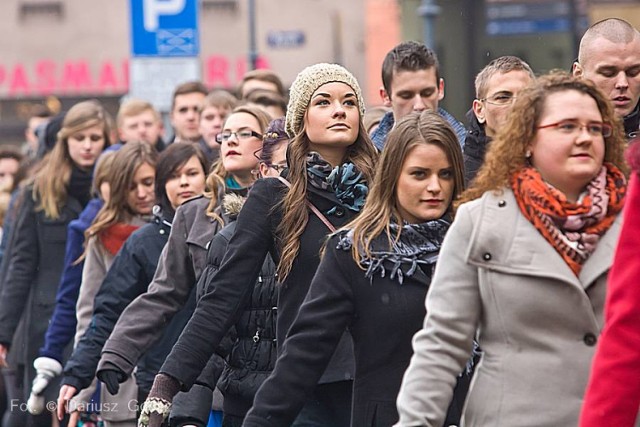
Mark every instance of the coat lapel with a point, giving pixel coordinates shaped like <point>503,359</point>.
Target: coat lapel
<point>513,245</point>
<point>601,259</point>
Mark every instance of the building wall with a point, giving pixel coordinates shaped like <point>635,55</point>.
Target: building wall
<point>71,48</point>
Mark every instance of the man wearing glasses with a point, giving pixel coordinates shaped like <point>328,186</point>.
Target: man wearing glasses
<point>497,86</point>
<point>609,56</point>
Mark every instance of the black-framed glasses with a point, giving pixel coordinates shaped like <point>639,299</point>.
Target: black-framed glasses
<point>501,98</point>
<point>240,135</point>
<point>570,127</point>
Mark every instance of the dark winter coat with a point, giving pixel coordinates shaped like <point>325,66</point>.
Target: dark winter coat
<point>63,321</point>
<point>382,316</point>
<point>180,265</point>
<point>254,351</point>
<point>129,276</point>
<point>475,147</point>
<point>254,238</point>
<point>36,259</point>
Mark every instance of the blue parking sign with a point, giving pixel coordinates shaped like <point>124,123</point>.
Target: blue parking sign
<point>164,28</point>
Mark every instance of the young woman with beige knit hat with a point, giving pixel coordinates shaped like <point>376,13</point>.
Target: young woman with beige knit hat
<point>331,162</point>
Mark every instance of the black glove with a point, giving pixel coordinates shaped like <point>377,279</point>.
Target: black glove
<point>111,378</point>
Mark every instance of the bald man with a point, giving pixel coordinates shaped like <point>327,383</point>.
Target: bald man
<point>610,56</point>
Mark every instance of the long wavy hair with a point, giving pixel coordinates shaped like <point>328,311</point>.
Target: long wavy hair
<point>125,164</point>
<point>507,152</point>
<point>216,179</point>
<point>381,208</point>
<point>361,153</point>
<point>51,181</point>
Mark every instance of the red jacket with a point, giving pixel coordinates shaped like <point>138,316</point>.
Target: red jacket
<point>613,393</point>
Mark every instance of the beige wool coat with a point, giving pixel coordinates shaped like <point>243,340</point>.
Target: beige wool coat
<point>497,278</point>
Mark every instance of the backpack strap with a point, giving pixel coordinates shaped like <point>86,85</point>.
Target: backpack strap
<point>313,208</point>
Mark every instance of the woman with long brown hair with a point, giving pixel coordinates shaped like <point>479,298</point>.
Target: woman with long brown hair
<point>524,267</point>
<point>373,278</point>
<point>330,162</point>
<point>57,194</point>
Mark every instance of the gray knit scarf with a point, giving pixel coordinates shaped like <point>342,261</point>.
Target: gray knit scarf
<point>417,247</point>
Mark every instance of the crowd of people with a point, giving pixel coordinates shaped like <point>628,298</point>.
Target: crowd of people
<point>288,258</point>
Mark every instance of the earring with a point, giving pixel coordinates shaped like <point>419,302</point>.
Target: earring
<point>527,154</point>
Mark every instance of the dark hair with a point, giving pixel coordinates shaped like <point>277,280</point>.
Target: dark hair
<point>170,160</point>
<point>188,87</point>
<point>273,136</point>
<point>40,111</point>
<point>408,56</point>
<point>264,76</point>
<point>10,153</point>
<point>267,98</point>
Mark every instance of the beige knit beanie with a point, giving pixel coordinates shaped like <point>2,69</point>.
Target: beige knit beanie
<point>307,82</point>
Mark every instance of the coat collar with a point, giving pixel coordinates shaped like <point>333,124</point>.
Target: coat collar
<point>504,240</point>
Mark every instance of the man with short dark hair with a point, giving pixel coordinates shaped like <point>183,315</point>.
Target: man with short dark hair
<point>260,79</point>
<point>497,87</point>
<point>185,111</point>
<point>411,82</point>
<point>609,56</point>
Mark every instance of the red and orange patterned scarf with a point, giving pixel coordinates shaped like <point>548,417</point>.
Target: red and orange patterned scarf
<point>573,229</point>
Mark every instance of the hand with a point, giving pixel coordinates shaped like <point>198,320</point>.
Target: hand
<point>46,370</point>
<point>111,378</point>
<point>3,356</point>
<point>66,393</point>
<point>154,412</point>
<point>73,419</point>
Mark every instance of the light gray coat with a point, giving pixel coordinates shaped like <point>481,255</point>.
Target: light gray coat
<point>536,321</point>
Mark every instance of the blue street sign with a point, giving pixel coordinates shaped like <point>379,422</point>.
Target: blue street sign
<point>285,39</point>
<point>164,28</point>
<point>504,27</point>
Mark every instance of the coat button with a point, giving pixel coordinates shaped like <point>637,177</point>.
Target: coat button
<point>486,256</point>
<point>590,339</point>
<point>502,203</point>
<point>339,212</point>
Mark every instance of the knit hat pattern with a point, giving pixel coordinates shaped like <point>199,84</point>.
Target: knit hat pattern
<point>307,82</point>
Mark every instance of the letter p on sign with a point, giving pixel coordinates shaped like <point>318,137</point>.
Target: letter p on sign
<point>154,8</point>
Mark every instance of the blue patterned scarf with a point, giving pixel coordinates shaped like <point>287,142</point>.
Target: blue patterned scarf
<point>345,181</point>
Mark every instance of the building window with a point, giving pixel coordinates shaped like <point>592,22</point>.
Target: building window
<point>28,9</point>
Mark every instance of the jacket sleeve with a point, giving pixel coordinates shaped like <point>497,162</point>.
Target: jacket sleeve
<point>93,273</point>
<point>125,280</point>
<point>23,262</point>
<point>142,322</point>
<point>63,321</point>
<point>323,317</point>
<point>442,347</point>
<point>232,284</point>
<point>613,393</point>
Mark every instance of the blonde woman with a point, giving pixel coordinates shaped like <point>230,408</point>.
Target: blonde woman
<point>59,191</point>
<point>330,163</point>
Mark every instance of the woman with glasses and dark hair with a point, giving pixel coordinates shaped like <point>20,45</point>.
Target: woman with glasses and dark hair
<point>183,259</point>
<point>525,265</point>
<point>250,359</point>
